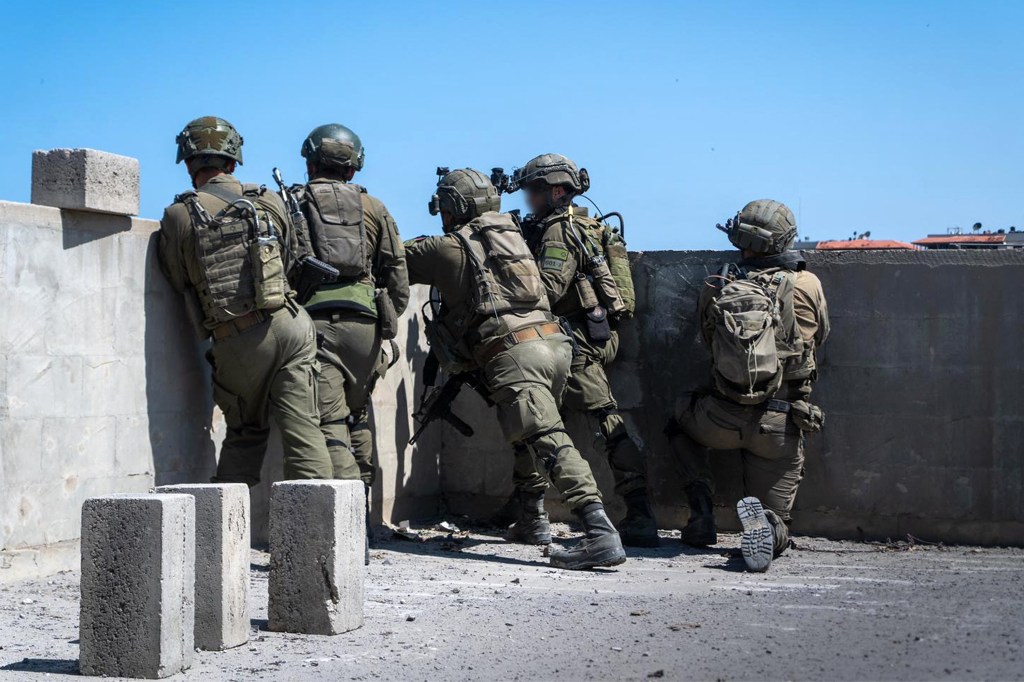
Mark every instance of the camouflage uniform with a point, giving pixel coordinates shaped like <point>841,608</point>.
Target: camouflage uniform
<point>263,359</point>
<point>522,353</point>
<point>350,352</point>
<point>559,240</point>
<point>768,436</point>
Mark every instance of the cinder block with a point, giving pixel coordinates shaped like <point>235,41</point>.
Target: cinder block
<point>138,580</point>
<point>222,562</point>
<point>86,180</point>
<point>317,536</point>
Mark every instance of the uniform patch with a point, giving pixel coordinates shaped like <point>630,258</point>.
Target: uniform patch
<point>554,258</point>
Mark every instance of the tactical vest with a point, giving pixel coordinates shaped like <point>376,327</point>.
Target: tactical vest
<point>239,253</point>
<point>605,262</point>
<point>337,230</point>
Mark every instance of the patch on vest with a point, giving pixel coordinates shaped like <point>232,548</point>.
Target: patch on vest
<point>554,258</point>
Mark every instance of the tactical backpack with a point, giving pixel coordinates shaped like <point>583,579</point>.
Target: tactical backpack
<point>505,277</point>
<point>337,233</point>
<point>755,333</point>
<point>239,252</point>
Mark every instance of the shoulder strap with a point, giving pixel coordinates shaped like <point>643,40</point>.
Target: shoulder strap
<point>219,191</point>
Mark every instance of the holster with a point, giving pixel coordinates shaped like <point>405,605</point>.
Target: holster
<point>387,318</point>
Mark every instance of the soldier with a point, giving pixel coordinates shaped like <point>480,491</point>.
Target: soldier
<point>495,320</point>
<point>574,251</point>
<point>353,232</point>
<point>221,245</point>
<point>762,319</point>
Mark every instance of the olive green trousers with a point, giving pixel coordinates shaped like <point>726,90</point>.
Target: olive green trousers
<point>269,369</point>
<point>526,383</point>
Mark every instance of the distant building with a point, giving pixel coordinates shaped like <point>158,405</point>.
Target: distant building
<point>982,240</point>
<point>855,245</point>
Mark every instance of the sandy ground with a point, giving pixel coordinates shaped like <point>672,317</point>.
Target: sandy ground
<point>469,606</point>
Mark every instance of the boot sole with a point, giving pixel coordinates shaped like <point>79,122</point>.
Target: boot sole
<point>758,541</point>
<point>543,540</point>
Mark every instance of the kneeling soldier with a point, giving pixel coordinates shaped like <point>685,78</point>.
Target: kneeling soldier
<point>762,318</point>
<point>495,320</point>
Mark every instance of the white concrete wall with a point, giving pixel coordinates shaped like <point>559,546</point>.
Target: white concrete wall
<point>103,387</point>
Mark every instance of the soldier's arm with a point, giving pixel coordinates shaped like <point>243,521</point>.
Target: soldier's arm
<point>390,268</point>
<point>420,259</point>
<point>810,308</point>
<point>557,262</point>
<point>169,252</point>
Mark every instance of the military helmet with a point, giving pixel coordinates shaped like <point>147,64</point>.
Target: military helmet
<point>209,136</point>
<point>763,226</point>
<point>334,145</point>
<point>465,194</point>
<point>552,170</point>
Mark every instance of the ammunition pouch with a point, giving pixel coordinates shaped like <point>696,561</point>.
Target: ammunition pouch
<point>387,317</point>
<point>269,283</point>
<point>808,418</point>
<point>599,329</point>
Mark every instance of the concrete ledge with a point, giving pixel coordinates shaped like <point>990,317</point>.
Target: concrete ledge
<point>317,545</point>
<point>55,219</point>
<point>138,579</point>
<point>87,180</point>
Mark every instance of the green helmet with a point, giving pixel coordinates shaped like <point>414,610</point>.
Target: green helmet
<point>334,145</point>
<point>552,170</point>
<point>209,136</point>
<point>465,194</point>
<point>763,226</point>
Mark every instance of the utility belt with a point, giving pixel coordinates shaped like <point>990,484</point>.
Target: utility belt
<point>242,324</point>
<point>532,333</point>
<point>807,417</point>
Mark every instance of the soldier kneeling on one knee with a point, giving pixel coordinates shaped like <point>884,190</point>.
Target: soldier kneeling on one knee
<point>763,319</point>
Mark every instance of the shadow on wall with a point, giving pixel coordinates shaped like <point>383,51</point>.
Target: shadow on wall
<point>178,394</point>
<point>82,227</point>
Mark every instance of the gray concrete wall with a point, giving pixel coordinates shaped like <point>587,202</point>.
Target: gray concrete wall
<point>922,381</point>
<point>103,389</point>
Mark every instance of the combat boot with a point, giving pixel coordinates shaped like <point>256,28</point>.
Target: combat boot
<point>638,528</point>
<point>600,546</point>
<point>758,541</point>
<point>533,527</point>
<point>700,529</point>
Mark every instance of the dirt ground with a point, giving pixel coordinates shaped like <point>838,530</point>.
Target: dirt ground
<point>470,606</point>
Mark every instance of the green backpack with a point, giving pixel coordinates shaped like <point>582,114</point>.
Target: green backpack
<point>754,334</point>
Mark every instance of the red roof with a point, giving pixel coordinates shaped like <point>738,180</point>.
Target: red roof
<point>964,239</point>
<point>863,244</point>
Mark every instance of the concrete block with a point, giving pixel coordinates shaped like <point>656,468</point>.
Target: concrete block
<point>317,544</point>
<point>138,580</point>
<point>222,562</point>
<point>87,180</point>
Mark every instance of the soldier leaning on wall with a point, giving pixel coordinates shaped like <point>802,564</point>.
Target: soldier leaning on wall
<point>763,319</point>
<point>222,245</point>
<point>494,319</point>
<point>576,255</point>
<point>351,231</point>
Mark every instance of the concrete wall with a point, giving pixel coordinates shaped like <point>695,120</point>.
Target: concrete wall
<point>103,389</point>
<point>922,381</point>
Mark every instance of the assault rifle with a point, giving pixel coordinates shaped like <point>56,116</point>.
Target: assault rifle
<point>312,272</point>
<point>437,400</point>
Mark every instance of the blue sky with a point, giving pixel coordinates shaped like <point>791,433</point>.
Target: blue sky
<point>901,118</point>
